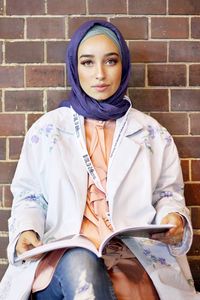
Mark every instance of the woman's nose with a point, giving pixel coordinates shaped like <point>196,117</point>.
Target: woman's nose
<point>100,72</point>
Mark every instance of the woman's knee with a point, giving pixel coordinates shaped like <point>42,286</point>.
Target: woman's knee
<point>80,271</point>
<point>77,260</point>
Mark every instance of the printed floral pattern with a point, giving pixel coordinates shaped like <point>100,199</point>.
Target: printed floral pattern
<point>166,194</point>
<point>31,199</point>
<point>37,198</point>
<point>155,253</point>
<point>155,259</point>
<point>49,131</point>
<point>153,132</point>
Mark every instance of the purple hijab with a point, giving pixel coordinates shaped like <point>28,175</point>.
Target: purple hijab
<point>115,106</point>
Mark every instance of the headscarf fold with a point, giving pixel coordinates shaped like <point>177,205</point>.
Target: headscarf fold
<point>115,106</point>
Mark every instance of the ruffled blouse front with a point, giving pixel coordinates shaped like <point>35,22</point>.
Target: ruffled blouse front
<point>99,135</point>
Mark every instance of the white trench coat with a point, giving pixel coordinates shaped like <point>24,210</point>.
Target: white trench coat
<point>144,184</point>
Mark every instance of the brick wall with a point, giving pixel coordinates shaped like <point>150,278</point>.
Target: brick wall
<point>164,40</point>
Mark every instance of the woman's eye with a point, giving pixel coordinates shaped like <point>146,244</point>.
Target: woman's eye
<point>87,63</point>
<point>111,61</point>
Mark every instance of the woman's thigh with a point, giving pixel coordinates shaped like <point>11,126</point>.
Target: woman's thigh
<point>80,274</point>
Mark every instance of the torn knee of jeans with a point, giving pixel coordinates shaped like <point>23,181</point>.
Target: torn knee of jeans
<point>85,289</point>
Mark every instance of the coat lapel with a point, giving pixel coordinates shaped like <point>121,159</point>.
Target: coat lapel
<point>123,158</point>
<point>72,160</point>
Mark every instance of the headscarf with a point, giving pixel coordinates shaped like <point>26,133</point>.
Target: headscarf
<point>115,106</point>
<point>101,30</point>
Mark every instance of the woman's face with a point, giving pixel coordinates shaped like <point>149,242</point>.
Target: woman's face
<point>99,67</point>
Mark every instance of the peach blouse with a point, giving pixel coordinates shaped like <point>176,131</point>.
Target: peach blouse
<point>99,136</point>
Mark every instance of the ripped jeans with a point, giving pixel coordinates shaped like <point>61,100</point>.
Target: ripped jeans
<point>80,275</point>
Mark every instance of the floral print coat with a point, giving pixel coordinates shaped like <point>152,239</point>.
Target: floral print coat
<point>144,183</point>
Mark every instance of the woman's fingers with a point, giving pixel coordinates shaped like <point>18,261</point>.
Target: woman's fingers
<point>27,240</point>
<point>173,235</point>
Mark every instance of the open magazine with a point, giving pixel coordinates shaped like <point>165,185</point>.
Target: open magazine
<point>84,242</point>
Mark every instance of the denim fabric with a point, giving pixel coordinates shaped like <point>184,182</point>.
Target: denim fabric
<point>80,275</point>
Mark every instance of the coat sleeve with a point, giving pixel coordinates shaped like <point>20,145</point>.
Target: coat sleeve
<point>29,204</point>
<point>168,195</point>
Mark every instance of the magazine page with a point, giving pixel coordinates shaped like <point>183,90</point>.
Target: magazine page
<point>84,242</point>
<point>75,241</point>
<point>136,231</point>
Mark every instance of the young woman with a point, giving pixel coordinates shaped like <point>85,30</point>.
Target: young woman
<point>93,166</point>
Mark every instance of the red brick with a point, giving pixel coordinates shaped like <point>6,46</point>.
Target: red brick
<point>1,7</point>
<point>176,123</point>
<point>137,77</point>
<point>55,97</point>
<point>185,169</point>
<point>195,268</point>
<point>143,7</point>
<point>3,268</point>
<point>195,250</point>
<point>182,51</point>
<point>188,146</point>
<point>3,246</point>
<point>167,75</point>
<point>107,7</point>
<point>25,7</point>
<point>32,118</point>
<point>24,52</point>
<point>56,51</point>
<point>8,120</point>
<point>15,146</point>
<point>169,28</point>
<point>150,99</point>
<point>195,169</point>
<point>195,214</point>
<point>185,100</point>
<point>2,148</point>
<point>11,76</point>
<point>194,75</point>
<point>4,216</point>
<point>75,22</point>
<point>7,170</point>
<point>195,123</point>
<point>184,7</point>
<point>1,52</point>
<point>11,28</point>
<point>8,197</point>
<point>60,7</point>
<point>192,193</point>
<point>46,28</point>
<point>23,100</point>
<point>147,51</point>
<point>45,76</point>
<point>132,28</point>
<point>195,28</point>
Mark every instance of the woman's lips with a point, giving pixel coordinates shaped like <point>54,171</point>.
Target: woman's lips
<point>101,88</point>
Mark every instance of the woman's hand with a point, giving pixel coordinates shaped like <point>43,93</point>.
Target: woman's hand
<point>27,240</point>
<point>174,235</point>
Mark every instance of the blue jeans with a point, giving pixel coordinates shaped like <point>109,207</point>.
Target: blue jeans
<point>80,274</point>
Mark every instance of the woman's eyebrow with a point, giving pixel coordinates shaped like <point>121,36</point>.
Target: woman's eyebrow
<point>86,55</point>
<point>112,53</point>
<point>91,55</point>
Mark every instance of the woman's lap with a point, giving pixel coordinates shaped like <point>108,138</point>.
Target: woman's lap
<point>80,274</point>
